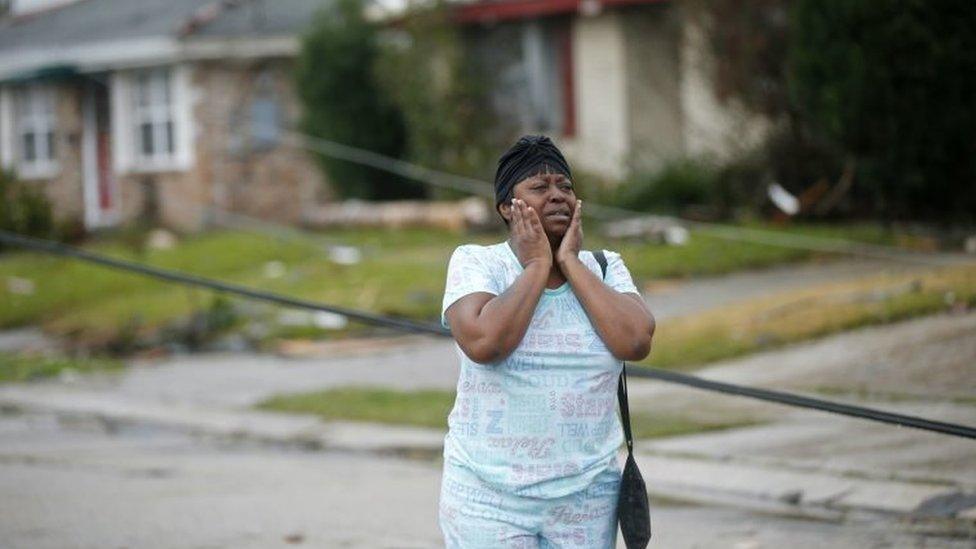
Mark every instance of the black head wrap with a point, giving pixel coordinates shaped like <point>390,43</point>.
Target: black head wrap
<point>531,155</point>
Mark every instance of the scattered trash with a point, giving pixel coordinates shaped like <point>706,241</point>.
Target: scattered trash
<point>950,298</point>
<point>793,497</point>
<point>946,505</point>
<point>970,245</point>
<point>395,214</point>
<point>345,255</point>
<point>330,321</point>
<point>295,318</point>
<point>476,211</point>
<point>230,343</point>
<point>274,269</point>
<point>20,286</point>
<point>783,200</point>
<point>320,319</point>
<point>69,375</point>
<point>649,226</point>
<point>257,330</point>
<point>676,235</point>
<point>161,239</point>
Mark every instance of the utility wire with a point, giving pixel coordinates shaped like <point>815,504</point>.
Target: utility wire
<point>56,248</point>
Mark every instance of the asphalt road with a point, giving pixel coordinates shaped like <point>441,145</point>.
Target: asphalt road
<point>87,484</point>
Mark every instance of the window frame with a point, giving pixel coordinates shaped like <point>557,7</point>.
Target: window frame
<point>34,112</point>
<point>154,107</point>
<point>170,104</point>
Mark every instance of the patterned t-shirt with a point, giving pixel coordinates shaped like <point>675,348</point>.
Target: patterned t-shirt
<point>543,421</point>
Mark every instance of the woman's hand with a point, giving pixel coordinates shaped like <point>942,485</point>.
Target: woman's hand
<point>569,248</point>
<point>528,237</point>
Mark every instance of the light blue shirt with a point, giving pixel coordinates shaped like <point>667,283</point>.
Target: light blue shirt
<point>543,421</point>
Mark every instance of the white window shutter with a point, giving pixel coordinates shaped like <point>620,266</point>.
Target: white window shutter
<point>183,101</point>
<point>6,128</point>
<point>123,136</point>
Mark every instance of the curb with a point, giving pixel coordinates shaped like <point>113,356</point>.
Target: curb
<point>811,493</point>
<point>699,479</point>
<point>306,431</point>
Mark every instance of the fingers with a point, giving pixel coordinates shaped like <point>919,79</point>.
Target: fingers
<point>524,213</point>
<point>535,224</point>
<point>577,214</point>
<point>522,217</point>
<point>516,217</point>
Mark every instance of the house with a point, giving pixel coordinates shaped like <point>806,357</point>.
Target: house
<point>623,85</point>
<point>171,109</point>
<point>165,109</point>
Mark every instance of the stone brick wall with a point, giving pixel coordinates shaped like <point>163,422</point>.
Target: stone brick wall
<point>233,169</point>
<point>65,189</point>
<point>251,175</point>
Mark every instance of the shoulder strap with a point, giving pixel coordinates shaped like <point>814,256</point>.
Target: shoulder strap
<point>601,258</point>
<point>625,409</point>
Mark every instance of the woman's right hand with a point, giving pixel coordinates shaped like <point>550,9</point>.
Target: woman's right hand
<point>528,237</point>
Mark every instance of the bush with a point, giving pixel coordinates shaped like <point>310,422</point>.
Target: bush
<point>740,187</point>
<point>23,209</point>
<point>673,189</point>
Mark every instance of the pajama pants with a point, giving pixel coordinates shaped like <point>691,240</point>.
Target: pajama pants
<point>474,515</point>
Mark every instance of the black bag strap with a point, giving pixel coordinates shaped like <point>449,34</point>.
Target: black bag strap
<point>601,258</point>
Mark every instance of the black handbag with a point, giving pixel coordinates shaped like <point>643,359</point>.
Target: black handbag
<point>633,509</point>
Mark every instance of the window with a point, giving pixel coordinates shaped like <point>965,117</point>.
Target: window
<point>34,133</point>
<point>153,117</point>
<point>533,66</point>
<point>264,114</point>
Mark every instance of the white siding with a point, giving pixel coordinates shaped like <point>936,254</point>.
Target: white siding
<point>601,142</point>
<point>6,129</point>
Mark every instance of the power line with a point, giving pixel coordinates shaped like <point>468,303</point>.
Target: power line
<point>789,399</point>
<point>57,248</point>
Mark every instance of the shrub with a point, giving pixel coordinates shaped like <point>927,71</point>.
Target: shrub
<point>23,209</point>
<point>672,189</point>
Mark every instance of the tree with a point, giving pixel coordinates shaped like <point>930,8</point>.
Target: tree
<point>893,82</point>
<point>342,101</point>
<point>441,91</point>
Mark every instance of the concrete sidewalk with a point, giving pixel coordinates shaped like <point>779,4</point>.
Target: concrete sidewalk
<point>793,461</point>
<point>671,467</point>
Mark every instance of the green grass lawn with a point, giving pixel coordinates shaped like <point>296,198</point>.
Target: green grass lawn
<point>776,320</point>
<point>17,367</point>
<point>706,254</point>
<point>430,409</point>
<point>402,273</point>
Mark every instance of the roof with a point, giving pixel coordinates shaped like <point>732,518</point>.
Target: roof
<point>491,11</point>
<point>62,35</point>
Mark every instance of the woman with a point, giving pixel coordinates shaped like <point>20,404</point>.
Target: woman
<point>530,459</point>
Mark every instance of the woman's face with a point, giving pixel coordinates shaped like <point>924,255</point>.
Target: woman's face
<point>551,196</point>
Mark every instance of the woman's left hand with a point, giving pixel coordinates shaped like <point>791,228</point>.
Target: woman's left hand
<point>572,242</point>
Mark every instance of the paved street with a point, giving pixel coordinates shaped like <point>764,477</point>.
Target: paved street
<point>168,453</point>
<point>82,484</point>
